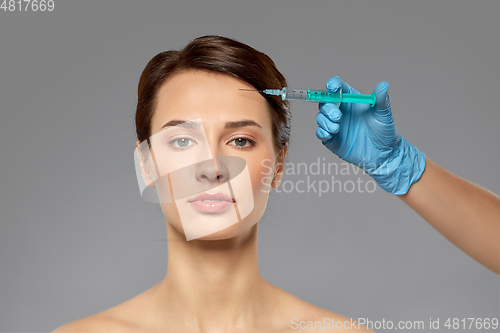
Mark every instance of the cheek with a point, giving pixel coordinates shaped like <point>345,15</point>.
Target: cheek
<point>261,174</point>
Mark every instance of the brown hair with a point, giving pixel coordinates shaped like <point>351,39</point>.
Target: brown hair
<point>221,55</point>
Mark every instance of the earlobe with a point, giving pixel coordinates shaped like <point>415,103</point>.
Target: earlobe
<point>278,174</point>
<point>148,173</point>
<point>276,181</point>
<point>280,166</point>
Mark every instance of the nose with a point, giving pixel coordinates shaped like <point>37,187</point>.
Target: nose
<point>206,171</point>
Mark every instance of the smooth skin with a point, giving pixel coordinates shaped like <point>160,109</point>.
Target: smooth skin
<point>213,284</point>
<point>463,212</point>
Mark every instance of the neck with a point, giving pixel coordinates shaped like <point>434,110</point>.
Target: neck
<point>213,284</point>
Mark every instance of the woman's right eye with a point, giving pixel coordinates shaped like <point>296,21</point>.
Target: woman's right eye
<point>180,143</point>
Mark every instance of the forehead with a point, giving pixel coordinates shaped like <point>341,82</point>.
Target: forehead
<point>213,97</point>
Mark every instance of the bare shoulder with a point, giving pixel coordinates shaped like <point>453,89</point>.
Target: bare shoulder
<point>316,319</point>
<point>94,323</point>
<point>302,316</point>
<point>120,318</point>
<point>324,321</point>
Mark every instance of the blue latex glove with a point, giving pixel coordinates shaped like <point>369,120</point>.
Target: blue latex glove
<point>367,137</point>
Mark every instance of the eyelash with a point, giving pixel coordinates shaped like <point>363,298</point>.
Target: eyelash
<point>252,143</point>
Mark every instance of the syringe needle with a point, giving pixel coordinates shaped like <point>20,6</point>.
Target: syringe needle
<point>273,92</point>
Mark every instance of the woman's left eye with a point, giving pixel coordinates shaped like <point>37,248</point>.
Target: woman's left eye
<point>241,143</point>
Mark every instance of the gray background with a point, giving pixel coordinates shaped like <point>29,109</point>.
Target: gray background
<point>76,237</point>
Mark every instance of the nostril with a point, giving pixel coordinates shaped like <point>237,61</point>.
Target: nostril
<point>218,177</point>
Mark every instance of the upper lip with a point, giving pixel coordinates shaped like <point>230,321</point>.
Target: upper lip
<point>211,196</point>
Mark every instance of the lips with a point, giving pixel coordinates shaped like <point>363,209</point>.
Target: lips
<point>211,196</point>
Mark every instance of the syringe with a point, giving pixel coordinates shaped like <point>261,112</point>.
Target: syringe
<point>319,96</point>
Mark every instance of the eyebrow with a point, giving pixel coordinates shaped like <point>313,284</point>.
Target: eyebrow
<point>227,124</point>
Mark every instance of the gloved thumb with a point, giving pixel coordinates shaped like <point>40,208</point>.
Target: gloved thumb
<point>334,83</point>
<point>382,104</point>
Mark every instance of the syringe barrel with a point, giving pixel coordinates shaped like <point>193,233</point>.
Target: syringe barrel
<point>290,93</point>
<point>325,96</point>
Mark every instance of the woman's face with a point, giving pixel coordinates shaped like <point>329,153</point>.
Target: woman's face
<point>209,138</point>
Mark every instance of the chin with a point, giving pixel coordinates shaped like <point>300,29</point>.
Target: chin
<point>235,230</point>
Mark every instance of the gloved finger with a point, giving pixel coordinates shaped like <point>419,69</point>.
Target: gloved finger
<point>383,104</point>
<point>335,82</point>
<point>322,134</point>
<point>326,124</point>
<point>331,111</point>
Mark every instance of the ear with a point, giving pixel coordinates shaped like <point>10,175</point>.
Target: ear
<point>148,171</point>
<point>280,166</point>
